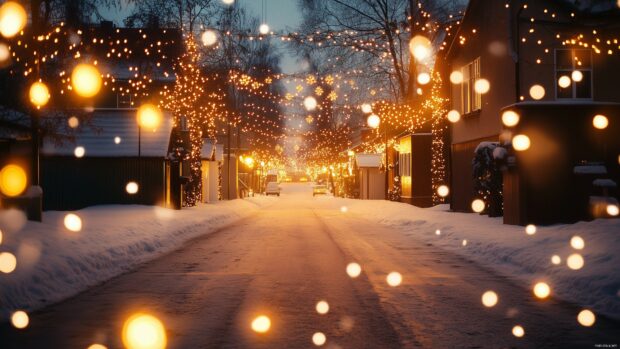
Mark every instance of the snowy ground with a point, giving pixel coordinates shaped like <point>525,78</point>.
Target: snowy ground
<point>512,252</point>
<point>54,263</point>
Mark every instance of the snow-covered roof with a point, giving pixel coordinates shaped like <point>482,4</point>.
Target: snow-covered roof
<point>212,151</point>
<point>368,160</point>
<point>590,169</point>
<point>100,138</point>
<point>604,183</point>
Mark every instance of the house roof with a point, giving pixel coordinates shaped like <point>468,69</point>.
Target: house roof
<point>99,138</point>
<point>213,152</point>
<point>369,160</point>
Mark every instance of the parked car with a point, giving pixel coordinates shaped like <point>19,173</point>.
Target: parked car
<point>319,189</point>
<point>272,189</point>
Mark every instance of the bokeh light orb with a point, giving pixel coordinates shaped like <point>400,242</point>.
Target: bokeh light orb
<point>577,242</point>
<point>310,103</point>
<point>482,86</point>
<point>73,222</point>
<point>8,262</point>
<point>97,346</point>
<point>542,290</point>
<point>132,188</point>
<point>261,324</point>
<point>117,140</point>
<point>149,116</point>
<point>144,331</point>
<point>537,92</point>
<point>454,116</point>
<point>208,37</point>
<point>86,80</point>
<point>39,94</point>
<point>443,191</point>
<point>394,279</point>
<point>20,319</point>
<point>13,19</point>
<point>564,81</point>
<point>263,29</point>
<point>73,122</point>
<point>5,54</point>
<point>518,331</point>
<point>424,78</point>
<point>354,270</point>
<point>556,260</point>
<point>228,2</point>
<point>319,339</point>
<point>420,47</point>
<point>478,205</point>
<point>575,261</point>
<point>600,122</point>
<point>586,318</point>
<point>437,232</point>
<point>79,152</point>
<point>521,142</point>
<point>366,108</point>
<point>322,307</point>
<point>373,121</point>
<point>510,118</point>
<point>577,76</point>
<point>13,180</point>
<point>344,209</point>
<point>489,299</point>
<point>456,77</point>
<point>464,242</point>
<point>530,229</point>
<point>613,210</point>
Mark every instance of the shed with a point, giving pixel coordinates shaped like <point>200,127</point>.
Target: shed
<point>371,179</point>
<point>115,152</point>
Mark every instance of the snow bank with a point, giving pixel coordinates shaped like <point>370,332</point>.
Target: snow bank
<point>511,252</point>
<point>54,263</point>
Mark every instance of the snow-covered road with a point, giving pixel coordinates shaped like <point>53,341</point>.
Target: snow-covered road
<point>282,260</point>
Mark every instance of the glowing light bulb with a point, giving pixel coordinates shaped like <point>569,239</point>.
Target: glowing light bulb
<point>454,116</point>
<point>542,290</point>
<point>39,94</point>
<point>537,92</point>
<point>13,18</point>
<point>13,180</point>
<point>261,324</point>
<point>149,116</point>
<point>521,142</point>
<point>510,118</point>
<point>373,121</point>
<point>489,299</point>
<point>143,331</point>
<point>86,80</point>
<point>600,122</point>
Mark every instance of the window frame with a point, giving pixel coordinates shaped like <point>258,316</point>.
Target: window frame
<point>575,67</point>
<point>471,101</point>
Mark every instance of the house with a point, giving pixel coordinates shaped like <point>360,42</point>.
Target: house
<point>371,178</point>
<point>414,168</point>
<point>212,159</point>
<point>107,155</point>
<point>553,63</point>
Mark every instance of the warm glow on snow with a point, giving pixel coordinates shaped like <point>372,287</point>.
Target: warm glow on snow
<point>144,331</point>
<point>13,180</point>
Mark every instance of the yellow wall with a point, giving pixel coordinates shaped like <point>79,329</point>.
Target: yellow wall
<point>405,148</point>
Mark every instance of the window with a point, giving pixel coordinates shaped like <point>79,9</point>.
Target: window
<point>571,64</point>
<point>404,164</point>
<point>470,99</point>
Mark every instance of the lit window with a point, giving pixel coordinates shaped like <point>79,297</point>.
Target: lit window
<point>470,100</point>
<point>571,63</point>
